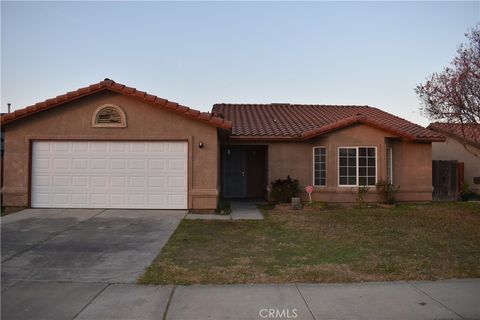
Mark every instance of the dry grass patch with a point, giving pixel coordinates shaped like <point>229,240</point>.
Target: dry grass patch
<point>430,241</point>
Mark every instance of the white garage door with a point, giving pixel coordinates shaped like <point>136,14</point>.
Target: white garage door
<point>108,174</point>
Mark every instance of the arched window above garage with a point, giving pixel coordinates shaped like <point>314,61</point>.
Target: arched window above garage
<point>109,116</point>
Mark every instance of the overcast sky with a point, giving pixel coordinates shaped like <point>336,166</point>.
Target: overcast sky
<point>198,54</point>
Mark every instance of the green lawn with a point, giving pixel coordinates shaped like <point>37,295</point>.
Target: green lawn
<point>429,241</point>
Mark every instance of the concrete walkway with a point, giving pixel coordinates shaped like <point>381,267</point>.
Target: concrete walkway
<point>449,299</point>
<point>245,210</point>
<point>241,210</point>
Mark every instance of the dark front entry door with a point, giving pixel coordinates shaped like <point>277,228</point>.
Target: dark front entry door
<point>234,177</point>
<point>256,172</point>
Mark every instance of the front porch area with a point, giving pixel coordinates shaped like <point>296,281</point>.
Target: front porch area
<point>244,172</point>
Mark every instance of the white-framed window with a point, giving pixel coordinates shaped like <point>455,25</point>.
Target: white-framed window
<point>357,166</point>
<point>320,166</point>
<point>390,164</point>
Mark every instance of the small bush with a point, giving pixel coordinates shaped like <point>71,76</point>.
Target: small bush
<point>361,197</point>
<point>283,190</point>
<point>386,191</point>
<point>466,193</point>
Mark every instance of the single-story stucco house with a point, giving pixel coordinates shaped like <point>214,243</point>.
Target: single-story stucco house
<point>111,146</point>
<point>463,145</point>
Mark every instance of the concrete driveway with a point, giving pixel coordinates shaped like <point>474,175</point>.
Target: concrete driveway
<point>77,245</point>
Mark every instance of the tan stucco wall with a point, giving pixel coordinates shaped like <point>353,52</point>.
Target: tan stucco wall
<point>452,149</point>
<point>411,161</point>
<point>412,170</point>
<point>73,121</point>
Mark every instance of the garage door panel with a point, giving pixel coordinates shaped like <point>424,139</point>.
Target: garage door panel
<point>99,199</point>
<point>118,199</point>
<point>40,148</point>
<point>156,148</point>
<point>137,147</point>
<point>109,174</point>
<point>176,199</point>
<point>118,182</point>
<point>137,182</point>
<point>176,164</point>
<point>98,164</point>
<point>61,164</point>
<point>176,148</point>
<point>41,198</point>
<point>157,199</point>
<point>80,181</point>
<point>99,147</point>
<point>120,147</point>
<point>137,164</point>
<point>42,164</point>
<point>157,164</point>
<point>176,182</point>
<point>118,164</point>
<point>61,198</point>
<point>42,181</point>
<point>98,182</point>
<point>79,164</point>
<point>80,199</point>
<point>60,181</point>
<point>80,147</point>
<point>61,147</point>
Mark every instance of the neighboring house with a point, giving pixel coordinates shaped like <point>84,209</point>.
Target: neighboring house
<point>461,144</point>
<point>112,146</point>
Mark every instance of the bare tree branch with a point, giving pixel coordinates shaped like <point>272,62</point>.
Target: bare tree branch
<point>453,95</point>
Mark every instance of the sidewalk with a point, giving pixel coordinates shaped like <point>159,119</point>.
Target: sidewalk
<point>449,299</point>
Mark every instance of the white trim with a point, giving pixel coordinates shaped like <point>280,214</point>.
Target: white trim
<point>313,166</point>
<point>357,165</point>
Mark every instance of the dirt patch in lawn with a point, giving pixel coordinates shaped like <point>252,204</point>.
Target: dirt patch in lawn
<point>430,241</point>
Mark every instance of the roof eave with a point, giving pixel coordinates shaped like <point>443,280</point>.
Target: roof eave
<point>110,85</point>
<point>433,139</point>
<point>24,113</point>
<point>254,138</point>
<point>452,135</point>
<point>359,119</point>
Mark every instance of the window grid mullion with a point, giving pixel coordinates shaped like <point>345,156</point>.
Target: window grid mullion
<point>357,164</point>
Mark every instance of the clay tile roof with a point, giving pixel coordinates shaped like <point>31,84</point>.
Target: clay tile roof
<point>282,121</point>
<point>470,131</point>
<point>111,85</point>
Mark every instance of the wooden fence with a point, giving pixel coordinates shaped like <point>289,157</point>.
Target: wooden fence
<point>447,178</point>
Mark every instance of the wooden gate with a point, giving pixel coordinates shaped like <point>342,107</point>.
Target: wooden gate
<point>447,178</point>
